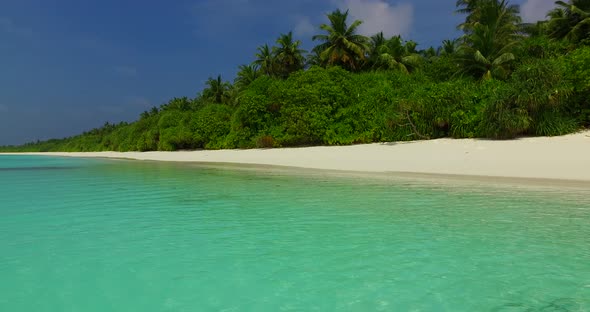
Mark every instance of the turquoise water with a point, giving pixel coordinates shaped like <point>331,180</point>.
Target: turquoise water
<point>98,235</point>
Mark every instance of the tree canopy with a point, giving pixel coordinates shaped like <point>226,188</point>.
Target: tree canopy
<point>341,44</point>
<point>501,79</point>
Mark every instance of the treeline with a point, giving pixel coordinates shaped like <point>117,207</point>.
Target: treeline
<point>501,79</point>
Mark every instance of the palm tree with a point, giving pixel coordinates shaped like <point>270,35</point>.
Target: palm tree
<point>375,43</point>
<point>314,58</point>
<point>265,59</point>
<point>535,29</point>
<point>246,75</point>
<point>468,8</point>
<point>341,45</point>
<point>216,89</point>
<point>429,53</point>
<point>482,12</point>
<point>233,95</point>
<point>288,55</point>
<point>411,46</point>
<point>449,47</point>
<point>182,104</point>
<point>393,54</point>
<point>570,20</point>
<point>491,33</point>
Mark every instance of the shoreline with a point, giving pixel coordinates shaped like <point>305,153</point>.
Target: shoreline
<point>447,180</point>
<point>561,159</point>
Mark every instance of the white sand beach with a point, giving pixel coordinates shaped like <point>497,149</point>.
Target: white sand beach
<point>564,158</point>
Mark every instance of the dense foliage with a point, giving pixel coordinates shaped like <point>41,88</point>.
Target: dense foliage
<point>501,79</point>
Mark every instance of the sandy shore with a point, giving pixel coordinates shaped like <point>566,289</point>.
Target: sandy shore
<point>564,158</point>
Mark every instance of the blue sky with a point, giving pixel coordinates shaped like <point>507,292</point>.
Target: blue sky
<point>71,65</point>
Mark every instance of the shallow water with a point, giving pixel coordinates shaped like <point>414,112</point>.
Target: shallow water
<point>104,235</point>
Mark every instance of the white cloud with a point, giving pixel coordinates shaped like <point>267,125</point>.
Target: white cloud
<point>304,27</point>
<point>380,15</point>
<point>536,10</point>
<point>8,26</point>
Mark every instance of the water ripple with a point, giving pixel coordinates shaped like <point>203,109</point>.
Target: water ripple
<point>126,236</point>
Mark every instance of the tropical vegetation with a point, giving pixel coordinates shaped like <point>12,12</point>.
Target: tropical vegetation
<point>501,79</point>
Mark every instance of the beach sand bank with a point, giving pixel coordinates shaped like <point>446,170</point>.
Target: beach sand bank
<point>562,158</point>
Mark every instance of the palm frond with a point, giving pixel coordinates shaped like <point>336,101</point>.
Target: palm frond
<point>480,58</point>
<point>504,58</point>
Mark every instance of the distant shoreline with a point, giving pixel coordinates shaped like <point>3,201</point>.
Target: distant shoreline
<point>565,158</point>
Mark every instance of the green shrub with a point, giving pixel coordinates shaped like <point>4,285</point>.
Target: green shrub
<point>547,94</point>
<point>541,47</point>
<point>442,68</point>
<point>210,125</point>
<point>577,70</point>
<point>552,123</point>
<point>308,102</point>
<point>502,118</point>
